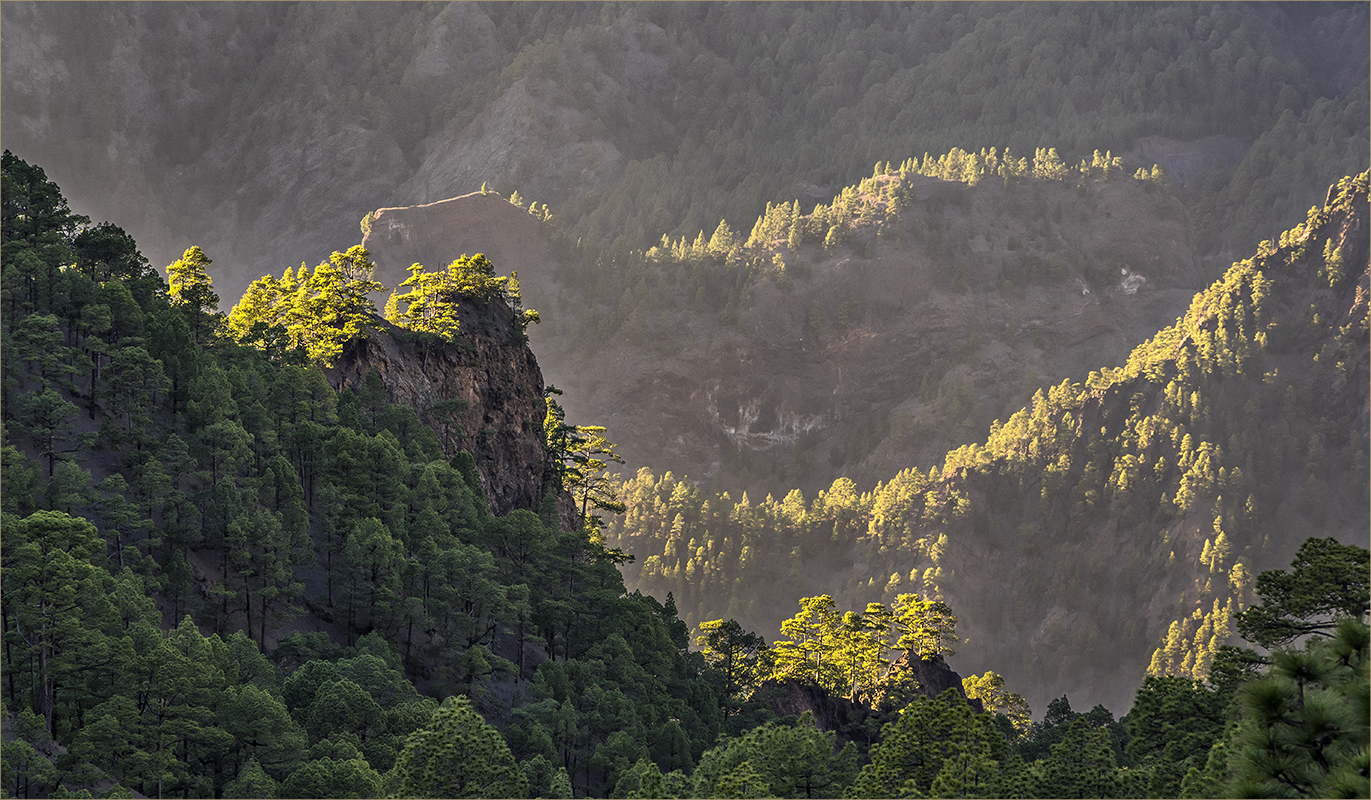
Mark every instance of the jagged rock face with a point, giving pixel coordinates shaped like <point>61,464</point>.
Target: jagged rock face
<point>791,697</point>
<point>489,369</point>
<point>934,676</point>
<point>515,242</point>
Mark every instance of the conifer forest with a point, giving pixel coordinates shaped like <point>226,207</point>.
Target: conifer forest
<point>718,400</point>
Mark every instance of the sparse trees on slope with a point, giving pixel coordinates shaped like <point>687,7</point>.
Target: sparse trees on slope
<point>925,627</point>
<point>47,418</point>
<point>808,652</point>
<point>263,582</point>
<point>334,306</point>
<point>989,689</point>
<point>317,311</point>
<point>260,317</point>
<point>578,456</point>
<point>430,305</point>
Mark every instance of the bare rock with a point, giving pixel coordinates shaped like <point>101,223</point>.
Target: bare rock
<point>934,677</point>
<point>791,697</point>
<point>491,371</point>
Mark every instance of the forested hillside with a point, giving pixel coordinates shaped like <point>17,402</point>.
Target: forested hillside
<point>225,576</point>
<point>859,336</point>
<point>951,350</point>
<point>625,125</point>
<point>292,120</point>
<point>1111,526</point>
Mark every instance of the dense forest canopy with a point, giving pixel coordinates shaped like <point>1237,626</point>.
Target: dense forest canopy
<point>168,531</point>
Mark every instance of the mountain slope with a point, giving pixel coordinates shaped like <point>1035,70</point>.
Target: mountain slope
<point>223,575</point>
<point>1100,514</point>
<point>940,308</point>
<point>773,364</point>
<point>197,123</point>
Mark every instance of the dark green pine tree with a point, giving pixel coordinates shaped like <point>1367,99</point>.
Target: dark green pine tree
<point>1328,581</point>
<point>262,579</point>
<point>1172,726</point>
<point>1081,765</point>
<point>1305,726</point>
<point>458,755</point>
<point>36,229</point>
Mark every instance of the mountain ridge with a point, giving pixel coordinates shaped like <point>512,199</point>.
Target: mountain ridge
<point>1157,504</point>
<point>1025,305</point>
<point>665,113</point>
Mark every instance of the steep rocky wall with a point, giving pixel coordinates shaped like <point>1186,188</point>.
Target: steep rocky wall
<point>491,371</point>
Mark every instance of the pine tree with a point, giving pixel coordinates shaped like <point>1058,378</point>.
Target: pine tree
<point>457,754</point>
<point>190,286</point>
<point>925,627</point>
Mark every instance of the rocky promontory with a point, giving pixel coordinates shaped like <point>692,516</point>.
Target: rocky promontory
<point>482,393</point>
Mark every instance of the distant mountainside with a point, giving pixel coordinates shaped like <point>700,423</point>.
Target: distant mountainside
<point>1110,528</point>
<point>264,132</point>
<point>858,358</point>
<point>436,233</point>
<point>932,315</point>
<point>1080,552</point>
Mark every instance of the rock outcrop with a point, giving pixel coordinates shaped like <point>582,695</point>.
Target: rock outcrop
<point>793,698</point>
<point>790,697</point>
<point>933,676</point>
<point>493,374</point>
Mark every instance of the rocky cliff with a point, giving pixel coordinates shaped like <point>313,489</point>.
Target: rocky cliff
<point>491,373</point>
<point>790,697</point>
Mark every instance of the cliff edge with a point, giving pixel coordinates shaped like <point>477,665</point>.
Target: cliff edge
<point>496,384</point>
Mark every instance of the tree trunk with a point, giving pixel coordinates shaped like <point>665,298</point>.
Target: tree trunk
<point>247,607</point>
<point>94,376</point>
<point>521,647</point>
<point>9,655</point>
<point>223,563</point>
<point>46,690</point>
